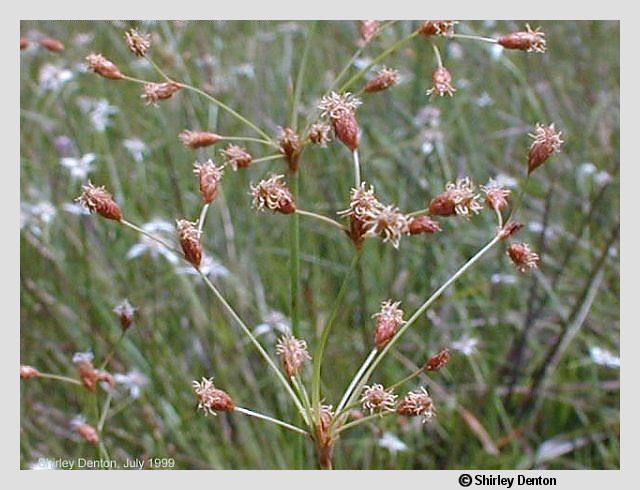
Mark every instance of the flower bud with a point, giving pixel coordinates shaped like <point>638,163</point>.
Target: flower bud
<point>103,67</point>
<point>86,431</point>
<point>99,200</point>
<point>341,110</point>
<point>198,139</point>
<point>28,372</point>
<point>423,224</point>
<point>189,237</point>
<point>347,130</point>
<point>368,30</point>
<point>510,229</point>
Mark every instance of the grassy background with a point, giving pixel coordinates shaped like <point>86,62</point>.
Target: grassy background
<point>529,396</point>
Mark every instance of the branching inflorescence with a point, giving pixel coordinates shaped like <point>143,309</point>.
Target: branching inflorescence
<point>364,217</point>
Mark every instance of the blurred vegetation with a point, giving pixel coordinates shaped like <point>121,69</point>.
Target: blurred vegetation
<point>528,394</point>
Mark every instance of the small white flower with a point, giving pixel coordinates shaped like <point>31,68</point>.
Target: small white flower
<point>136,148</point>
<point>148,246</point>
<point>499,278</point>
<point>76,208</point>
<point>603,357</point>
<point>134,381</point>
<point>52,78</point>
<point>79,168</point>
<point>209,267</point>
<point>35,217</point>
<point>80,357</point>
<point>504,180</point>
<point>496,51</point>
<point>99,112</point>
<point>392,443</point>
<point>484,100</point>
<point>466,345</point>
<point>273,322</point>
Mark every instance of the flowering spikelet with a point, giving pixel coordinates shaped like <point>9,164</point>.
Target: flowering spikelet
<point>99,200</point>
<point>368,30</point>
<point>86,431</point>
<point>154,92</point>
<point>209,177</point>
<point>388,321</point>
<point>319,134</point>
<point>198,139</point>
<point>103,67</point>
<point>138,43</point>
<point>385,78</point>
<point>376,399</point>
<point>437,361</point>
<point>441,82</point>
<point>523,257</point>
<point>189,237</point>
<point>546,141</point>
<point>341,110</point>
<point>389,224</point>
<point>236,156</point>
<point>293,353</point>
<point>443,28</point>
<point>510,229</point>
<point>125,312</point>
<point>273,194</point>
<point>532,41</point>
<point>28,372</point>
<point>496,195</point>
<point>51,44</point>
<point>211,399</point>
<point>89,375</point>
<point>290,147</point>
<point>457,199</point>
<point>363,208</point>
<point>423,224</point>
<point>417,403</point>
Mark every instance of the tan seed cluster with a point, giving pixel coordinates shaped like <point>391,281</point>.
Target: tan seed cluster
<point>293,353</point>
<point>546,142</point>
<point>458,199</point>
<point>138,43</point>
<point>523,257</point>
<point>99,200</point>
<point>441,83</point>
<point>209,177</point>
<point>444,28</point>
<point>189,237</point>
<point>384,79</point>
<point>103,67</point>
<point>155,92</point>
<point>212,399</point>
<point>236,156</point>
<point>388,321</point>
<point>273,194</point>
<point>417,404</point>
<point>198,139</point>
<point>530,40</point>
<point>376,399</point>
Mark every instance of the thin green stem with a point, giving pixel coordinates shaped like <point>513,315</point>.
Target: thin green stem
<point>519,200</point>
<point>158,69</point>
<point>105,411</point>
<point>300,78</point>
<point>268,158</point>
<point>307,415</point>
<point>406,378</point>
<point>112,352</point>
<point>203,217</point>
<point>279,422</point>
<point>294,260</point>
<point>354,381</point>
<point>151,236</point>
<point>137,80</point>
<point>356,168</point>
<point>59,377</point>
<point>437,53</point>
<point>322,218</point>
<point>418,213</point>
<point>246,138</point>
<point>354,423</point>
<point>475,38</point>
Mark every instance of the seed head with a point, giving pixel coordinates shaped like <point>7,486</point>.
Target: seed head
<point>99,200</point>
<point>103,67</point>
<point>458,199</point>
<point>368,30</point>
<point>89,375</point>
<point>28,372</point>
<point>423,224</point>
<point>51,44</point>
<point>86,431</point>
<point>389,224</point>
<point>211,399</point>
<point>189,237</point>
<point>320,134</point>
<point>417,403</point>
<point>236,156</point>
<point>546,142</point>
<point>510,229</point>
<point>388,321</point>
<point>273,194</point>
<point>293,353</point>
<point>376,399</point>
<point>138,43</point>
<point>438,361</point>
<point>444,28</point>
<point>363,208</point>
<point>441,83</point>
<point>496,195</point>
<point>154,92</point>
<point>532,41</point>
<point>209,177</point>
<point>341,110</point>
<point>198,139</point>
<point>385,78</point>
<point>125,312</point>
<point>523,257</point>
<point>290,147</point>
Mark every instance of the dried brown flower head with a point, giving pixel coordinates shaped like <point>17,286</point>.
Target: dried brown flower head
<point>293,353</point>
<point>209,177</point>
<point>441,82</point>
<point>341,110</point>
<point>103,67</point>
<point>443,28</point>
<point>211,399</point>
<point>24,43</point>
<point>290,147</point>
<point>368,30</point>
<point>376,399</point>
<point>189,237</point>
<point>86,431</point>
<point>51,44</point>
<point>531,40</point>
<point>198,139</point>
<point>496,195</point>
<point>458,199</point>
<point>437,361</point>
<point>125,312</point>
<point>273,194</point>
<point>363,208</point>
<point>236,156</point>
<point>388,321</point>
<point>89,375</point>
<point>523,257</point>
<point>99,200</point>
<point>510,229</point>
<point>154,92</point>
<point>389,224</point>
<point>423,224</point>
<point>385,78</point>
<point>546,142</point>
<point>28,372</point>
<point>417,403</point>
<point>320,134</point>
<point>138,43</point>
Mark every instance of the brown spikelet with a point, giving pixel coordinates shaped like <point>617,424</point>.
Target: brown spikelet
<point>459,198</point>
<point>417,403</point>
<point>319,134</point>
<point>496,195</point>
<point>154,92</point>
<point>99,200</point>
<point>273,194</point>
<point>237,157</point>
<point>293,353</point>
<point>530,40</point>
<point>443,28</point>
<point>28,372</point>
<point>86,431</point>
<point>368,30</point>
<point>198,139</point>
<point>189,237</point>
<point>125,312</point>
<point>209,177</point>
<point>325,438</point>
<point>212,399</point>
<point>423,224</point>
<point>437,361</point>
<point>290,147</point>
<point>341,110</point>
<point>523,257</point>
<point>24,43</point>
<point>51,44</point>
<point>347,130</point>
<point>546,142</point>
<point>441,83</point>
<point>138,43</point>
<point>103,67</point>
<point>388,321</point>
<point>384,79</point>
<point>89,375</point>
<point>510,229</point>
